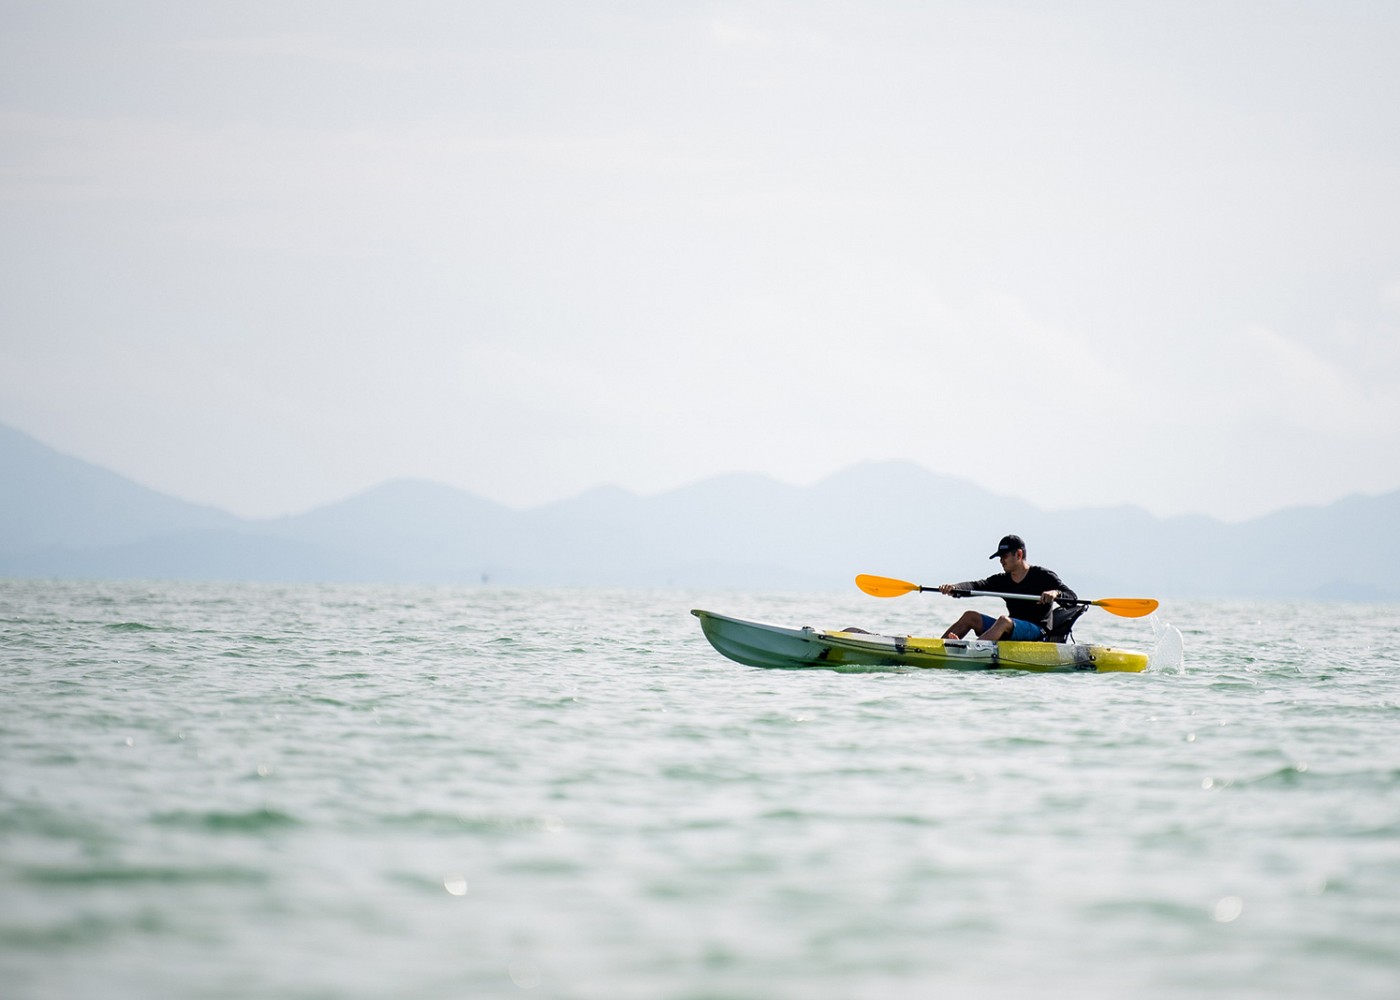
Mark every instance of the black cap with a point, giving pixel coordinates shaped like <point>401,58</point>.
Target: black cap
<point>1008,544</point>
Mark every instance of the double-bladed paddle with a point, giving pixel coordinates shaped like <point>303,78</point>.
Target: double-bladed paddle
<point>1124,607</point>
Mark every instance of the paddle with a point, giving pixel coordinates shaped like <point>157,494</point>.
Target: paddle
<point>1124,607</point>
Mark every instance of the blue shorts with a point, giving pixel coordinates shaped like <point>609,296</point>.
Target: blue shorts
<point>1020,631</point>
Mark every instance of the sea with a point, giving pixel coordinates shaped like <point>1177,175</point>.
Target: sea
<point>271,791</point>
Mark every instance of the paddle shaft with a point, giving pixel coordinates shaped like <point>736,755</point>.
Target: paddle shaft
<point>990,593</point>
<point>1123,607</point>
<point>1007,597</point>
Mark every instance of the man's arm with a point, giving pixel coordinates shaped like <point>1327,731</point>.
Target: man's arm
<point>1057,589</point>
<point>986,584</point>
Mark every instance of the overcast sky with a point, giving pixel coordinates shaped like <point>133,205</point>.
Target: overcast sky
<point>264,255</point>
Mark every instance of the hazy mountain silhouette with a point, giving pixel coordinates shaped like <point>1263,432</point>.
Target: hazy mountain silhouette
<point>49,500</point>
<point>66,518</point>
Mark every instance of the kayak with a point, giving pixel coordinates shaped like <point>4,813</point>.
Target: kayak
<point>756,644</point>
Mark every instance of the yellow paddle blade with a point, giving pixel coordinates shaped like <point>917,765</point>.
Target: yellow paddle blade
<point>1127,607</point>
<point>883,586</point>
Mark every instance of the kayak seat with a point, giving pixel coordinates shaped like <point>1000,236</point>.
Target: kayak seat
<point>1062,621</point>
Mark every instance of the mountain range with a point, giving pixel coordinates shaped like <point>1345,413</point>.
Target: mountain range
<point>65,518</point>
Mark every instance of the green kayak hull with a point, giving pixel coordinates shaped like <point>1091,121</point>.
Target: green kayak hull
<point>756,644</point>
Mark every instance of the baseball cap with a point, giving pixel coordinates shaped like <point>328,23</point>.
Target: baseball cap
<point>1008,544</point>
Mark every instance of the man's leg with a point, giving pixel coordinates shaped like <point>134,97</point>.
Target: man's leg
<point>969,622</point>
<point>1000,627</point>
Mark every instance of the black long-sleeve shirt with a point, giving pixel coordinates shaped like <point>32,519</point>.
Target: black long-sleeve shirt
<point>1036,581</point>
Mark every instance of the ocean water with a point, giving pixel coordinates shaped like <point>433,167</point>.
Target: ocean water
<point>214,790</point>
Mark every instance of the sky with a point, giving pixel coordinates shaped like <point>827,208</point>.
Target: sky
<point>264,255</point>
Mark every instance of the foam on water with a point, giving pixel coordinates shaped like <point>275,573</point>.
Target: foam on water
<point>231,791</point>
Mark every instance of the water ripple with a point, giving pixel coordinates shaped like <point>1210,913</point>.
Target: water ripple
<point>215,790</point>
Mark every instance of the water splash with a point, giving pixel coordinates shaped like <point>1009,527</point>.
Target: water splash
<point>1168,650</point>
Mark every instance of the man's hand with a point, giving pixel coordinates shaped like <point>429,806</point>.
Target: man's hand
<point>1049,596</point>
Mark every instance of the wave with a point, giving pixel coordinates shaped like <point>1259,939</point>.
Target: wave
<point>254,821</point>
<point>137,874</point>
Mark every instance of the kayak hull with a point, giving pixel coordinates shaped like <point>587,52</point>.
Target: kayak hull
<point>757,644</point>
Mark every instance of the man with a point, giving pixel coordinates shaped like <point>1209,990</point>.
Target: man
<point>1025,621</point>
